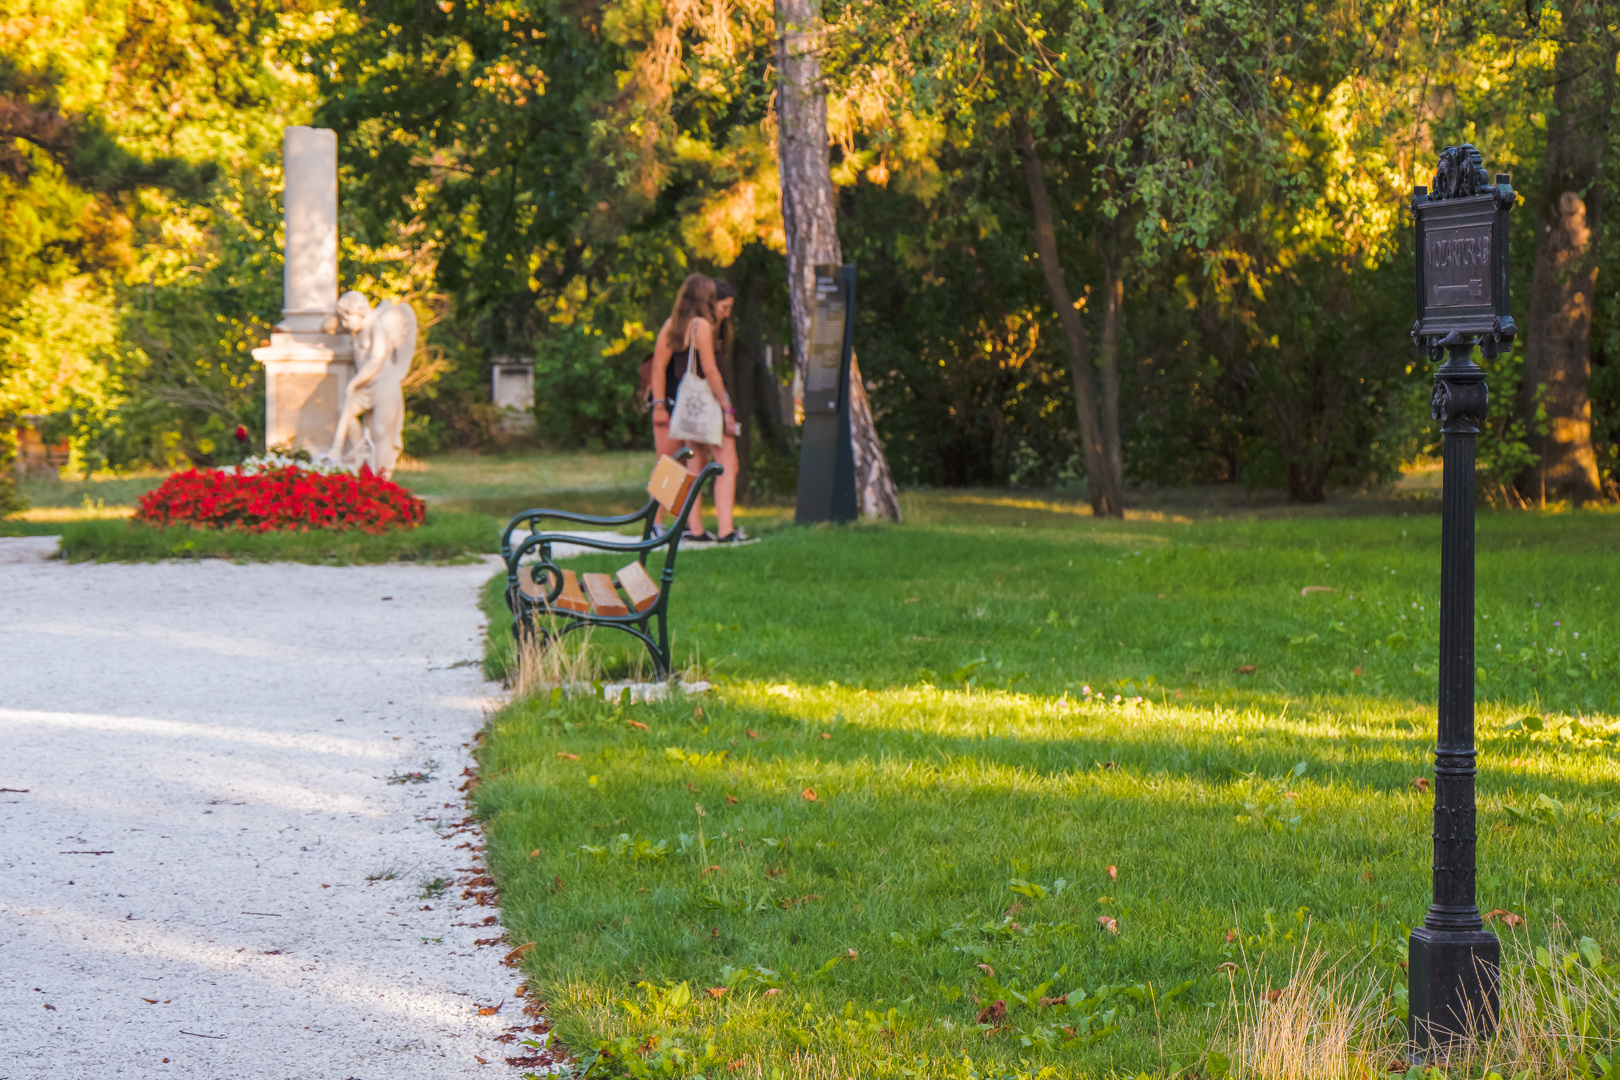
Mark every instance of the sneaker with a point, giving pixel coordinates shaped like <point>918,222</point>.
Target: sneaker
<point>735,536</point>
<point>704,537</point>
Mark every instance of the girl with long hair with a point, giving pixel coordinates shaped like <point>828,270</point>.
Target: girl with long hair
<point>687,338</point>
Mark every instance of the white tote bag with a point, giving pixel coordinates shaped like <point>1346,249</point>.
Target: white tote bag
<point>697,415</point>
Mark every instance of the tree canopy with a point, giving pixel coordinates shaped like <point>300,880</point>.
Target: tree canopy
<point>1105,242</point>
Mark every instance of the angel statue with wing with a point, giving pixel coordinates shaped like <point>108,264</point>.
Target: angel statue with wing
<point>384,343</point>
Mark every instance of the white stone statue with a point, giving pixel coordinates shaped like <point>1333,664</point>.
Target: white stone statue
<point>384,343</point>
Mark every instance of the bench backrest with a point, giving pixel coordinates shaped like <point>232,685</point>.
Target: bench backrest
<point>670,483</point>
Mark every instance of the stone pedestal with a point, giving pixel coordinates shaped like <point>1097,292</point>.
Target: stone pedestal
<point>305,376</point>
<point>308,363</point>
<point>512,391</point>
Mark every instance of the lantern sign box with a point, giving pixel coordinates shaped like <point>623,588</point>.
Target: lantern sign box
<point>1462,265</point>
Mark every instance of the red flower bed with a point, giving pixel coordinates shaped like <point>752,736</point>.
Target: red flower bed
<point>281,499</point>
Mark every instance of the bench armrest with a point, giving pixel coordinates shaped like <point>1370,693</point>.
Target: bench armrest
<point>670,537</point>
<point>534,517</point>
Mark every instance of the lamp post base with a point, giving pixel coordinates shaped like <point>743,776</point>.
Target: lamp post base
<point>1453,981</point>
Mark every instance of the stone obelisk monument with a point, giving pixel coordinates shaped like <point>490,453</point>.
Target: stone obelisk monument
<point>309,360</point>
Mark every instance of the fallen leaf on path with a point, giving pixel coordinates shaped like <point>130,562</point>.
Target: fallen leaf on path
<point>566,754</point>
<point>480,1060</point>
<point>1108,923</point>
<point>51,1007</point>
<point>490,1010</point>
<point>511,959</point>
<point>150,1001</point>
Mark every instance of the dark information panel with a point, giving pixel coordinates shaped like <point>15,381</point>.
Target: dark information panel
<point>826,360</point>
<point>1462,265</point>
<point>826,454</point>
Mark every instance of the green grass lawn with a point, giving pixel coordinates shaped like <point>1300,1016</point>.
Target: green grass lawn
<point>1025,729</point>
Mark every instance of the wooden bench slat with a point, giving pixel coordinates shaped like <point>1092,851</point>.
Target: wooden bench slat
<point>571,599</point>
<point>639,586</point>
<point>529,587</point>
<point>669,484</point>
<point>604,597</point>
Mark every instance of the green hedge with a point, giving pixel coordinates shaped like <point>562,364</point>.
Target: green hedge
<point>444,537</point>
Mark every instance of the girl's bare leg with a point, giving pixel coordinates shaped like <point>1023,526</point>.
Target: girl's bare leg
<point>725,486</point>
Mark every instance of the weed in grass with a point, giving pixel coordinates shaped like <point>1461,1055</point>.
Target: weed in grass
<point>387,873</point>
<point>420,776</point>
<point>1132,780</point>
<point>434,888</point>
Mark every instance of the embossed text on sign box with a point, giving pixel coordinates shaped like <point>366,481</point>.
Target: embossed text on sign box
<point>1457,265</point>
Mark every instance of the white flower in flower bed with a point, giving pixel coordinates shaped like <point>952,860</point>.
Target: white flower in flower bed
<point>253,466</point>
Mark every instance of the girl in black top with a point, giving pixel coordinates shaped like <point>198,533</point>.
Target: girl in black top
<point>689,335</point>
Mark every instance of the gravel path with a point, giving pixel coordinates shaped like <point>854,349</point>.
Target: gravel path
<point>205,869</point>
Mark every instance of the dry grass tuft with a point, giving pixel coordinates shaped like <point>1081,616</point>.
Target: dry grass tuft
<point>1560,1017</point>
<point>543,663</point>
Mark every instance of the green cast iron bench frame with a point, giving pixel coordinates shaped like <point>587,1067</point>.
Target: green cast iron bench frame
<point>542,588</point>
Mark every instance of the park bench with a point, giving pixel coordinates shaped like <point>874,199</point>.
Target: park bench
<point>540,588</point>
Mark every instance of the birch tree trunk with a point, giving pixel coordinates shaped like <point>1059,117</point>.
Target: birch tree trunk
<point>1107,498</point>
<point>1558,349</point>
<point>809,222</point>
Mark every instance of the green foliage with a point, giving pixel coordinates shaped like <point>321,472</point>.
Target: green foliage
<point>1245,812</point>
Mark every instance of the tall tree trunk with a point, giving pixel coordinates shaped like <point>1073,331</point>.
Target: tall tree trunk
<point>809,222</point>
<point>1108,362</point>
<point>1569,219</point>
<point>1106,494</point>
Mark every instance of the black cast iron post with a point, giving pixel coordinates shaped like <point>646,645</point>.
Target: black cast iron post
<point>1462,280</point>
